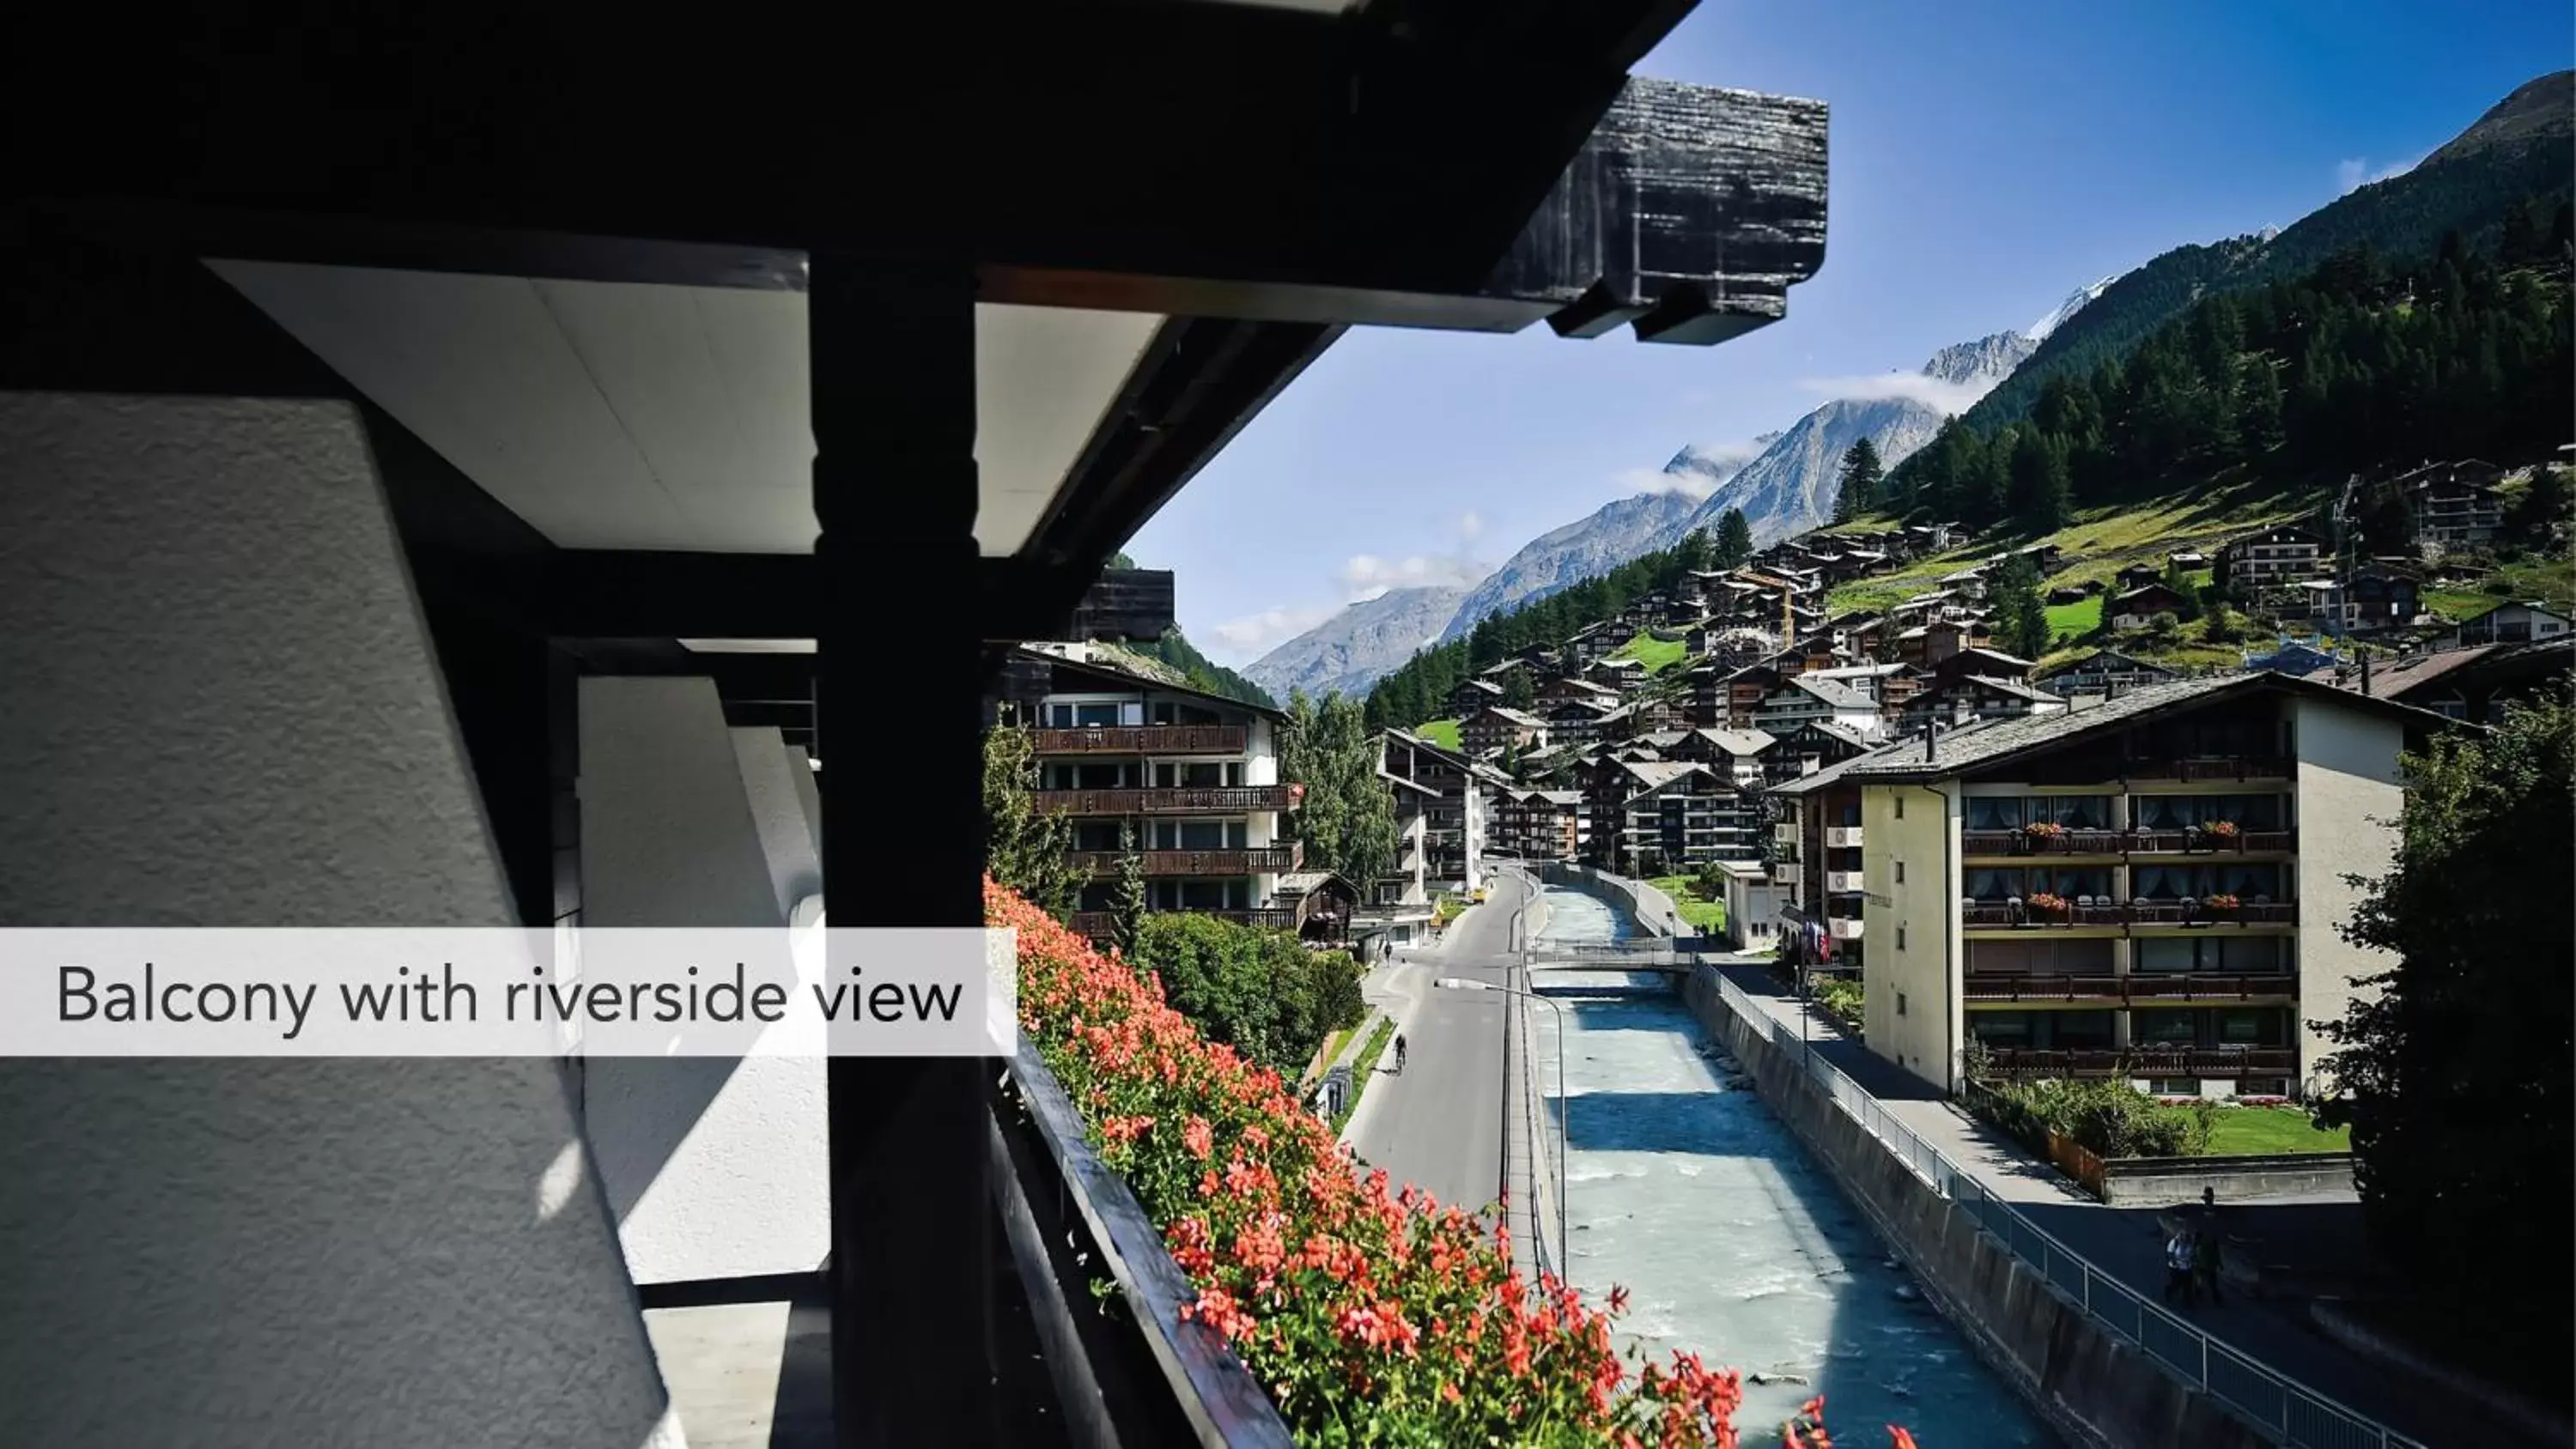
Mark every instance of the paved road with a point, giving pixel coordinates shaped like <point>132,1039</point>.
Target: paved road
<point>1439,1124</point>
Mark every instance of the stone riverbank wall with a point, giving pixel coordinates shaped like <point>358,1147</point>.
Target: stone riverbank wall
<point>2093,1386</point>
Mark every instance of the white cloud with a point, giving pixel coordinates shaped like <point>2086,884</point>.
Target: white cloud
<point>1366,576</point>
<point>1363,577</point>
<point>1948,397</point>
<point>2353,172</point>
<point>1634,481</point>
<point>1470,524</point>
<point>1258,634</point>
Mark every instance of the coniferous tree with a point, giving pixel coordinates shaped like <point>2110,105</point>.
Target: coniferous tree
<point>1025,848</point>
<point>1518,692</point>
<point>2042,494</point>
<point>2021,619</point>
<point>1857,494</point>
<point>1734,540</point>
<point>1127,900</point>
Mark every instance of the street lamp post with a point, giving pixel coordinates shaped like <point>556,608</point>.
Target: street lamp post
<point>1461,983</point>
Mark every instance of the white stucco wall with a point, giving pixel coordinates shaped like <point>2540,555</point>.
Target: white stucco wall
<point>1927,1037</point>
<point>1261,753</point>
<point>2349,798</point>
<point>787,841</point>
<point>223,711</point>
<point>716,1168</point>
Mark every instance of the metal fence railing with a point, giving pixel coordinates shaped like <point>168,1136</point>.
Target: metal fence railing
<point>2280,1406</point>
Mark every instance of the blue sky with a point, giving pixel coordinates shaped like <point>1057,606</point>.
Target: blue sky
<point>1986,160</point>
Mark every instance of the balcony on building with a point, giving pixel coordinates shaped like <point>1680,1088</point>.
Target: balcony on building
<point>1229,861</point>
<point>1167,739</point>
<point>1174,800</point>
<point>1842,837</point>
<point>2159,1063</point>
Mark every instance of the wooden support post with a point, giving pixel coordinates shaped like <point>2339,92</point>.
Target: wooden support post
<point>893,364</point>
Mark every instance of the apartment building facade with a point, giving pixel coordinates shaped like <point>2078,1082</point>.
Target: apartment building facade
<point>2148,888</point>
<point>1541,824</point>
<point>2272,558</point>
<point>1667,817</point>
<point>1456,809</point>
<point>2453,506</point>
<point>1188,780</point>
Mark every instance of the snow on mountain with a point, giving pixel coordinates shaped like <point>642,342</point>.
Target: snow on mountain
<point>1791,487</point>
<point>1612,535</point>
<point>1351,650</point>
<point>2038,331</point>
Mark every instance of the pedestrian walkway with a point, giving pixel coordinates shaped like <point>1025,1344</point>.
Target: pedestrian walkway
<point>2127,1243</point>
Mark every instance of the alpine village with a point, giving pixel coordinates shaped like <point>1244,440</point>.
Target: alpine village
<point>2249,578</point>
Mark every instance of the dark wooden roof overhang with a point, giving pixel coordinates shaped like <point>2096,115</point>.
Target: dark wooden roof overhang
<point>1261,176</point>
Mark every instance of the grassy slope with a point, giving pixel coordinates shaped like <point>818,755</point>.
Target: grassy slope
<point>1441,732</point>
<point>1656,654</point>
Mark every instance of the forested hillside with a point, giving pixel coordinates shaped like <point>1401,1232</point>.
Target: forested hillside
<point>2521,149</point>
<point>1201,672</point>
<point>2355,367</point>
<point>1419,690</point>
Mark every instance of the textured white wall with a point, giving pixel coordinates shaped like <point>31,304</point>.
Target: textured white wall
<point>223,711</point>
<point>787,840</point>
<point>716,1168</point>
<point>2350,795</point>
<point>1926,1039</point>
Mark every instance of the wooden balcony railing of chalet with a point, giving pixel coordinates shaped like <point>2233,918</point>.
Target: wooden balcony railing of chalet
<point>1987,914</point>
<point>1188,800</point>
<point>2126,842</point>
<point>1099,924</point>
<point>1235,861</point>
<point>1142,740</point>
<point>2245,767</point>
<point>2146,1061</point>
<point>2158,987</point>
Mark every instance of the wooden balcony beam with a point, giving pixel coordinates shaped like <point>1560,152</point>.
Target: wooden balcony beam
<point>644,594</point>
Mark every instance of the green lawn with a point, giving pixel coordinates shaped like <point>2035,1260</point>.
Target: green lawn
<point>2074,621</point>
<point>1656,654</point>
<point>2249,1131</point>
<point>1700,912</point>
<point>1441,732</point>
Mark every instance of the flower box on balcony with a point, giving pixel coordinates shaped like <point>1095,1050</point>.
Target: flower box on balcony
<point>2221,904</point>
<point>2216,833</point>
<point>2044,904</point>
<point>2042,832</point>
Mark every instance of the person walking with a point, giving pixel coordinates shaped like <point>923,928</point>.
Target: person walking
<point>2178,1268</point>
<point>2204,1261</point>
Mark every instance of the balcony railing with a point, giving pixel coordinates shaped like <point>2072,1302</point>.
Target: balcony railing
<point>2125,842</point>
<point>2201,986</point>
<point>2146,1061</point>
<point>2029,986</point>
<point>1142,740</point>
<point>2245,767</point>
<point>1100,924</point>
<point>1988,914</point>
<point>1232,861</point>
<point>2152,987</point>
<point>1188,800</point>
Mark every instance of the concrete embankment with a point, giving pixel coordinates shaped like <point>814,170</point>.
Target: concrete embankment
<point>1653,912</point>
<point>2094,1387</point>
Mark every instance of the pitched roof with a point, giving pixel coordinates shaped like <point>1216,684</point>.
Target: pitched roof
<point>2396,676</point>
<point>1819,779</point>
<point>1832,692</point>
<point>1974,747</point>
<point>1653,775</point>
<point>2108,659</point>
<point>1299,882</point>
<point>1741,742</point>
<point>1130,671</point>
